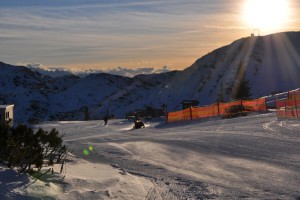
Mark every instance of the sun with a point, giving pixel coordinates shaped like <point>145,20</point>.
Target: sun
<point>266,14</point>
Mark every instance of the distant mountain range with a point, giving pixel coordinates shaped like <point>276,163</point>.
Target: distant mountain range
<point>121,71</point>
<point>268,64</point>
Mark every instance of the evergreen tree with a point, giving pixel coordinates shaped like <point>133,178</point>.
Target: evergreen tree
<point>220,96</point>
<point>242,87</point>
<point>23,149</point>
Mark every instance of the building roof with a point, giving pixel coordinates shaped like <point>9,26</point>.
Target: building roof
<point>5,106</point>
<point>189,101</point>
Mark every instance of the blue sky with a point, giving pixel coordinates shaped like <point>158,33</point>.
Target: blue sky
<point>106,34</point>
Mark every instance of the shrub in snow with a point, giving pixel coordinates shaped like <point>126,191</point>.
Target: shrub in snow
<point>24,149</point>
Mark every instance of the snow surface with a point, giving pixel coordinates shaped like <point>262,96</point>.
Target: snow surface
<point>252,157</point>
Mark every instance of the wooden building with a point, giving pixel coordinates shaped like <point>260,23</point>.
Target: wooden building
<point>6,115</point>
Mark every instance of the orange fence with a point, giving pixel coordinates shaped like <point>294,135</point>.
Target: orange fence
<point>224,106</point>
<point>216,109</point>
<point>179,115</point>
<point>255,105</point>
<point>294,95</point>
<point>289,108</point>
<point>205,111</point>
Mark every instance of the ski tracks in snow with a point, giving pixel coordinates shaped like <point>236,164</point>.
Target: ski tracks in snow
<point>282,129</point>
<point>267,126</point>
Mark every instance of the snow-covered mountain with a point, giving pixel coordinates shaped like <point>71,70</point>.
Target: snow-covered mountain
<point>268,64</point>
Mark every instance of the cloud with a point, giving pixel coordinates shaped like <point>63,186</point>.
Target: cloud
<point>137,71</point>
<point>121,71</point>
<point>54,72</point>
<point>110,33</point>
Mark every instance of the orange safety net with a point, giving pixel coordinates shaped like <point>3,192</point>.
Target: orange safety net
<point>179,115</point>
<point>294,95</point>
<point>224,106</point>
<point>289,108</point>
<point>216,110</point>
<point>203,112</point>
<point>255,105</point>
<point>280,108</point>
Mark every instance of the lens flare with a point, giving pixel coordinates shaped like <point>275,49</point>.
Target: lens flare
<point>86,152</point>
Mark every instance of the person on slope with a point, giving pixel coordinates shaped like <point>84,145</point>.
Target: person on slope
<point>105,120</point>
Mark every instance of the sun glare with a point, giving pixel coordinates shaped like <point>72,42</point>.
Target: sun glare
<point>266,14</point>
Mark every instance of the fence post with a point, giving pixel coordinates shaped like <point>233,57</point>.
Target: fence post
<point>266,105</point>
<point>191,114</point>
<point>167,115</point>
<point>242,106</point>
<point>241,101</point>
<point>296,106</point>
<point>285,109</point>
<point>277,110</point>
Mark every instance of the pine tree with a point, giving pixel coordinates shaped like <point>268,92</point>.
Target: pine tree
<point>220,96</point>
<point>242,87</point>
<point>24,149</point>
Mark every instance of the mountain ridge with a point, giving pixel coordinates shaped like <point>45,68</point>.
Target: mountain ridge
<point>268,63</point>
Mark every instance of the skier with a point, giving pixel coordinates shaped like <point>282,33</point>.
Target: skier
<point>105,120</point>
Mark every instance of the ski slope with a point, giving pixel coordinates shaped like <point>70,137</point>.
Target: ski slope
<point>251,157</point>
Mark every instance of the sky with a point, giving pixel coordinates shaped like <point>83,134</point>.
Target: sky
<point>109,34</point>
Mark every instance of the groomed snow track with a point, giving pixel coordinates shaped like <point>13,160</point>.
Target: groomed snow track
<point>251,157</point>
